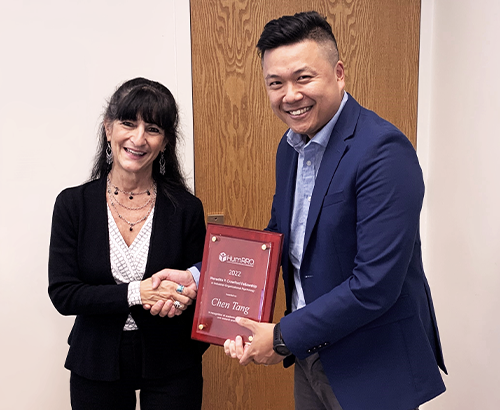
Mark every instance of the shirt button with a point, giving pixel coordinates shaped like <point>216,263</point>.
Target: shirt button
<point>309,198</point>
<point>308,163</point>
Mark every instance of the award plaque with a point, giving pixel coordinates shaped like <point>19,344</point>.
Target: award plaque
<point>239,276</point>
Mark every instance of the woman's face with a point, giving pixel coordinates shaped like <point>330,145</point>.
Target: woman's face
<point>135,145</point>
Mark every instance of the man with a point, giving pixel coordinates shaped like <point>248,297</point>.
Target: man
<point>360,322</point>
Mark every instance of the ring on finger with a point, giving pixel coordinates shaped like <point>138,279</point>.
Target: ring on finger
<point>177,304</point>
<point>179,289</point>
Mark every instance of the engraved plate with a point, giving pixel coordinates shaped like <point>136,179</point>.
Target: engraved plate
<point>238,278</point>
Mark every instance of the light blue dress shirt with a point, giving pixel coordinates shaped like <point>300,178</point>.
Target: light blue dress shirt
<point>310,156</point>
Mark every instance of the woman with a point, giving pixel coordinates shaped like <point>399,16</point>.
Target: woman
<point>109,236</point>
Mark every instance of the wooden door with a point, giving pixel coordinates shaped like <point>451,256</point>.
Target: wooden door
<point>236,134</point>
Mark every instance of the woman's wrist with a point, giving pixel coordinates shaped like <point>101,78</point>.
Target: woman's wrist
<point>134,293</point>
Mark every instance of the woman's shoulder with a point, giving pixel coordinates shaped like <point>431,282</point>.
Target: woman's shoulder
<point>188,197</point>
<point>178,194</point>
<point>182,200</point>
<point>76,193</point>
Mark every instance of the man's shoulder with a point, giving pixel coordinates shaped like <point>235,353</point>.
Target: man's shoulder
<point>372,129</point>
<point>369,118</point>
<point>366,117</point>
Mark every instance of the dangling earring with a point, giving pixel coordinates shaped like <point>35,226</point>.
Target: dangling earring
<point>162,163</point>
<point>109,154</point>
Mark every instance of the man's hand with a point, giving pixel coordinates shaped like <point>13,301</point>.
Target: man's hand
<point>260,350</point>
<point>182,277</point>
<point>165,307</point>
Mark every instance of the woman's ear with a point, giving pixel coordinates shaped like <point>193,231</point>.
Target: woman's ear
<point>165,143</point>
<point>108,128</point>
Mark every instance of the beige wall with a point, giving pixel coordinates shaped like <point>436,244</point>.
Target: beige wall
<point>459,145</point>
<point>60,60</point>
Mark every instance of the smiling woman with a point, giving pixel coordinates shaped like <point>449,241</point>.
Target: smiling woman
<point>109,236</point>
<point>139,123</point>
<point>135,145</point>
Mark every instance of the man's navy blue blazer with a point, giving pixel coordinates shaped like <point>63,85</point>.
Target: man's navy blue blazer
<point>369,311</point>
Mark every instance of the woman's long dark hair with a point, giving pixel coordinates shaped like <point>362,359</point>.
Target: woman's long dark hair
<point>154,104</point>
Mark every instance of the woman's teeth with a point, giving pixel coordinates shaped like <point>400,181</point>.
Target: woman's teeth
<point>134,152</point>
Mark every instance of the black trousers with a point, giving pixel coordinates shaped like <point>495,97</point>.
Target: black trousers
<point>176,391</point>
<point>312,389</point>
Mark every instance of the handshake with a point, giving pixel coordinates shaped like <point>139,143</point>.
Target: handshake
<point>168,292</point>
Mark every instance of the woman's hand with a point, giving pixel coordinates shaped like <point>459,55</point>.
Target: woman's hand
<point>167,285</point>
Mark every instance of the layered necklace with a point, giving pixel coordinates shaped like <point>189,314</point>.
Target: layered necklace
<point>113,192</point>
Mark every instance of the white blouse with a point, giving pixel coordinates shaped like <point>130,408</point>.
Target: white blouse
<point>128,264</point>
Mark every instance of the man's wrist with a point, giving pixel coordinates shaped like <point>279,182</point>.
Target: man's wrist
<point>195,273</point>
<point>279,345</point>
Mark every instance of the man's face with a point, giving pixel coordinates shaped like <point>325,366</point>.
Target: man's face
<point>304,88</point>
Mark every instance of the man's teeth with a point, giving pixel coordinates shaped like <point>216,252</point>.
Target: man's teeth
<point>301,111</point>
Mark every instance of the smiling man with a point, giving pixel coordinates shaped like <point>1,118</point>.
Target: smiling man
<point>360,324</point>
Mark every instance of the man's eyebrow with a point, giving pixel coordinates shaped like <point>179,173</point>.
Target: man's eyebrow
<point>302,69</point>
<point>272,76</point>
<point>296,72</point>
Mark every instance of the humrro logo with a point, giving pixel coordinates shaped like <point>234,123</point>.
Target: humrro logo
<point>236,260</point>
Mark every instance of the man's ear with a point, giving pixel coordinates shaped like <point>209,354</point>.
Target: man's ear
<point>339,71</point>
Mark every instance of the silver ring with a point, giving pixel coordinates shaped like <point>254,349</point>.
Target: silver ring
<point>177,304</point>
<point>179,289</point>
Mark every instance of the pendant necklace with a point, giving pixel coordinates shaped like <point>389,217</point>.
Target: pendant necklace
<point>129,193</point>
<point>113,201</point>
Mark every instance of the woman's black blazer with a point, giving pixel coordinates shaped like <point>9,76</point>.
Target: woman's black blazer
<point>81,283</point>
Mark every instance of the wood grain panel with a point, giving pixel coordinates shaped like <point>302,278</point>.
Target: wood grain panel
<point>235,142</point>
<point>236,134</point>
<point>379,44</point>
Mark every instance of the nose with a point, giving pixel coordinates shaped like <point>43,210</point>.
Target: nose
<point>292,94</point>
<point>138,135</point>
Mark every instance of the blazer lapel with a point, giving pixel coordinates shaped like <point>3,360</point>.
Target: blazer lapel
<point>159,234</point>
<point>97,220</point>
<point>290,192</point>
<point>287,203</point>
<point>337,147</point>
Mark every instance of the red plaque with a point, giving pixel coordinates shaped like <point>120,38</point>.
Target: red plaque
<point>239,276</point>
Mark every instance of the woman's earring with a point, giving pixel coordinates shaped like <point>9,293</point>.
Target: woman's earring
<point>109,154</point>
<point>162,163</point>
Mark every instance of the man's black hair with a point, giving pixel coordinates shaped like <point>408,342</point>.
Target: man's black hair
<point>286,30</point>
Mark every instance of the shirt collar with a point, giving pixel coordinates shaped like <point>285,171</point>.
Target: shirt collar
<point>322,137</point>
